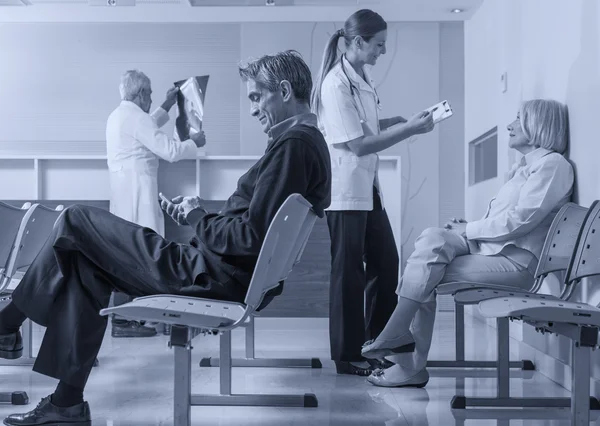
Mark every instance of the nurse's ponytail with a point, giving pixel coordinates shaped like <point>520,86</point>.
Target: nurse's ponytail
<point>329,58</point>
<point>364,23</point>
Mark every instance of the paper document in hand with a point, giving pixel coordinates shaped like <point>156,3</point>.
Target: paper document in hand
<point>190,106</point>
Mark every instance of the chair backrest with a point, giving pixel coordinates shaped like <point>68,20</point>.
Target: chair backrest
<point>12,219</point>
<point>586,258</point>
<point>285,239</point>
<point>298,250</point>
<point>34,234</point>
<point>561,239</point>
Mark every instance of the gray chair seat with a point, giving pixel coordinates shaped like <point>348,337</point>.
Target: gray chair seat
<point>181,310</point>
<point>454,287</point>
<point>472,297</point>
<point>530,309</point>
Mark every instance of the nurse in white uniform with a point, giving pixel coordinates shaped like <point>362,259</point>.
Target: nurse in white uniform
<point>347,106</point>
<point>134,146</point>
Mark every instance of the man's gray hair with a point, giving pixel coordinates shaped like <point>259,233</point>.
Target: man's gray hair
<point>132,83</point>
<point>545,123</point>
<point>271,70</point>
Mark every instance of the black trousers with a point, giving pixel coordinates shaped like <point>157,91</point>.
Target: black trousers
<point>364,263</point>
<point>91,253</point>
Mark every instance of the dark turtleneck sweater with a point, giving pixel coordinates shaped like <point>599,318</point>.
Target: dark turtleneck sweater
<point>296,161</point>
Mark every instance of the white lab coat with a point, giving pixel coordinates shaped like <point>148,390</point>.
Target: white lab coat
<point>345,115</point>
<point>134,145</point>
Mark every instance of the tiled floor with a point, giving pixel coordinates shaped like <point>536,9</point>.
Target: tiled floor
<point>133,384</point>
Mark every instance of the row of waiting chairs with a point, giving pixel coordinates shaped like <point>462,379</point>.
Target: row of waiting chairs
<point>571,241</point>
<point>23,232</point>
<point>572,248</point>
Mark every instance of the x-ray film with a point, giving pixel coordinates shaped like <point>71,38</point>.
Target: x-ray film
<point>190,106</point>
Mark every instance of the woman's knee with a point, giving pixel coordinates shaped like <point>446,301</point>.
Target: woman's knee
<point>431,237</point>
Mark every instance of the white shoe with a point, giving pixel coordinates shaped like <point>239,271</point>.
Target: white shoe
<point>385,378</point>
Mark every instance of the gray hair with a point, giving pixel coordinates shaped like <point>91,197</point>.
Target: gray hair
<point>545,123</point>
<point>271,70</point>
<point>132,84</point>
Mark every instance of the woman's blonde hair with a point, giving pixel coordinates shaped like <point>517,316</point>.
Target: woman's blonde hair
<point>545,123</point>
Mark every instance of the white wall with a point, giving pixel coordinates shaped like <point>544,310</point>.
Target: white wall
<point>61,81</point>
<point>550,49</point>
<point>452,131</point>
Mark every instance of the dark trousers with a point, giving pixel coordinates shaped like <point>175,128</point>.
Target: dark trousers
<point>118,300</point>
<point>364,263</point>
<point>91,253</point>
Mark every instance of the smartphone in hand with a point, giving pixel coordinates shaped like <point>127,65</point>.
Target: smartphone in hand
<point>441,111</point>
<point>163,198</point>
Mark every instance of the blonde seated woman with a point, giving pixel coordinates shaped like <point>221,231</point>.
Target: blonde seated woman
<point>501,248</point>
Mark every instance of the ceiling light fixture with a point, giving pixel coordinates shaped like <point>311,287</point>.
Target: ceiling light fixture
<point>457,11</point>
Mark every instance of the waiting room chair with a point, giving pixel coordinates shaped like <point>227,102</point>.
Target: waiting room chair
<point>282,247</point>
<point>249,331</point>
<point>12,222</point>
<point>33,235</point>
<point>580,322</point>
<point>556,256</point>
<point>11,218</point>
<point>452,288</point>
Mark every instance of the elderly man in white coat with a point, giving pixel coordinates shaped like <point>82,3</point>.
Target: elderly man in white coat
<point>135,144</point>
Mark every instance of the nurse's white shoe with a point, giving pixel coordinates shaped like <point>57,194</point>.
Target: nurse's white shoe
<point>396,376</point>
<point>379,348</point>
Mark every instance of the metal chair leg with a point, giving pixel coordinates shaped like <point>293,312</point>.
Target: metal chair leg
<point>251,361</point>
<point>503,398</point>
<point>459,361</point>
<point>227,398</point>
<point>182,391</point>
<point>580,383</point>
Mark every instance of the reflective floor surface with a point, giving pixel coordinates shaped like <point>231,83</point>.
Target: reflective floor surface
<point>134,383</point>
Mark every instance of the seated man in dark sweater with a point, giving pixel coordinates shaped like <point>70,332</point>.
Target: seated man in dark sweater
<point>91,252</point>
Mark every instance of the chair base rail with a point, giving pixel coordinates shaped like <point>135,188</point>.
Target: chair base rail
<point>525,364</point>
<point>308,400</point>
<point>266,362</point>
<point>460,402</point>
<point>14,398</point>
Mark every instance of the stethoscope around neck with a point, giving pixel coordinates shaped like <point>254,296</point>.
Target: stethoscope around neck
<point>353,88</point>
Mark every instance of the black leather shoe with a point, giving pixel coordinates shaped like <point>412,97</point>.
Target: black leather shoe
<point>11,345</point>
<point>48,414</point>
<point>131,329</point>
<point>381,364</point>
<point>345,367</point>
